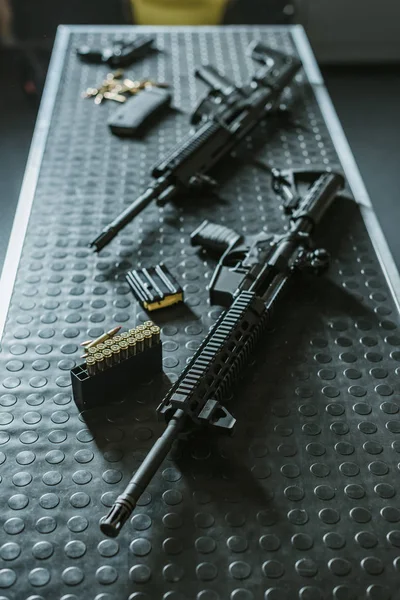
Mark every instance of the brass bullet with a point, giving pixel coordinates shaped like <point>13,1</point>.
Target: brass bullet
<point>147,338</point>
<point>112,77</point>
<point>109,343</point>
<point>139,343</point>
<point>124,349</point>
<point>90,93</point>
<point>100,347</point>
<point>152,83</point>
<point>89,352</point>
<point>100,362</point>
<point>103,337</point>
<point>91,365</point>
<point>125,335</point>
<point>108,357</point>
<point>119,88</point>
<point>140,329</point>
<point>116,352</point>
<point>148,324</point>
<point>132,346</point>
<point>114,96</point>
<point>155,331</point>
<point>132,86</point>
<point>117,339</point>
<point>132,332</point>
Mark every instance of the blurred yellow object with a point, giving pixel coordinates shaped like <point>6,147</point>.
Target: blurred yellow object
<point>178,12</point>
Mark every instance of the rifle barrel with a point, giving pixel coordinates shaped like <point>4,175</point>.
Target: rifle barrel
<point>110,231</point>
<point>112,524</point>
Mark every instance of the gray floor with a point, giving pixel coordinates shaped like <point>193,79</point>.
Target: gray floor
<point>17,120</point>
<point>366,100</point>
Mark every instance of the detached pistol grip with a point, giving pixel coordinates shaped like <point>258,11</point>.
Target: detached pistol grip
<point>215,238</point>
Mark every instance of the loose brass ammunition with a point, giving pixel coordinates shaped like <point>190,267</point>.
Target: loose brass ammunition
<point>139,343</point>
<point>147,338</point>
<point>91,365</point>
<point>131,86</point>
<point>155,330</point>
<point>90,92</point>
<point>124,349</point>
<point>114,87</point>
<point>100,362</point>
<point>116,352</point>
<point>114,96</point>
<point>108,357</point>
<point>132,346</point>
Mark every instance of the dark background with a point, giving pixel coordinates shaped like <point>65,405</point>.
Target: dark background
<point>366,98</point>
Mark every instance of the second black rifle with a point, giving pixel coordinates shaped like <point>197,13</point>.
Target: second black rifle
<point>222,119</point>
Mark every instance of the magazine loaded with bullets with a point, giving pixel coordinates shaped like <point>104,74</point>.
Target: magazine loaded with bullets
<point>249,279</point>
<point>112,361</point>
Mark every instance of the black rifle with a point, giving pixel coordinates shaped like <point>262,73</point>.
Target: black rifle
<point>250,277</point>
<point>223,119</point>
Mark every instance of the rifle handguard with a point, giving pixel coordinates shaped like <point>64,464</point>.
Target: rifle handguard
<point>217,364</point>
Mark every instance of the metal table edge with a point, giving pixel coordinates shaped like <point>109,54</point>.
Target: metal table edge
<point>33,165</point>
<point>171,28</point>
<point>349,164</point>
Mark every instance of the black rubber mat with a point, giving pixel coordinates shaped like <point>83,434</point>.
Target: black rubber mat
<point>302,502</point>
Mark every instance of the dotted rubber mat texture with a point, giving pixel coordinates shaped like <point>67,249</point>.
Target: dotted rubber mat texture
<point>302,502</point>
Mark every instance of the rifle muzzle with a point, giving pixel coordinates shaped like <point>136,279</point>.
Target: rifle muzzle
<point>112,524</point>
